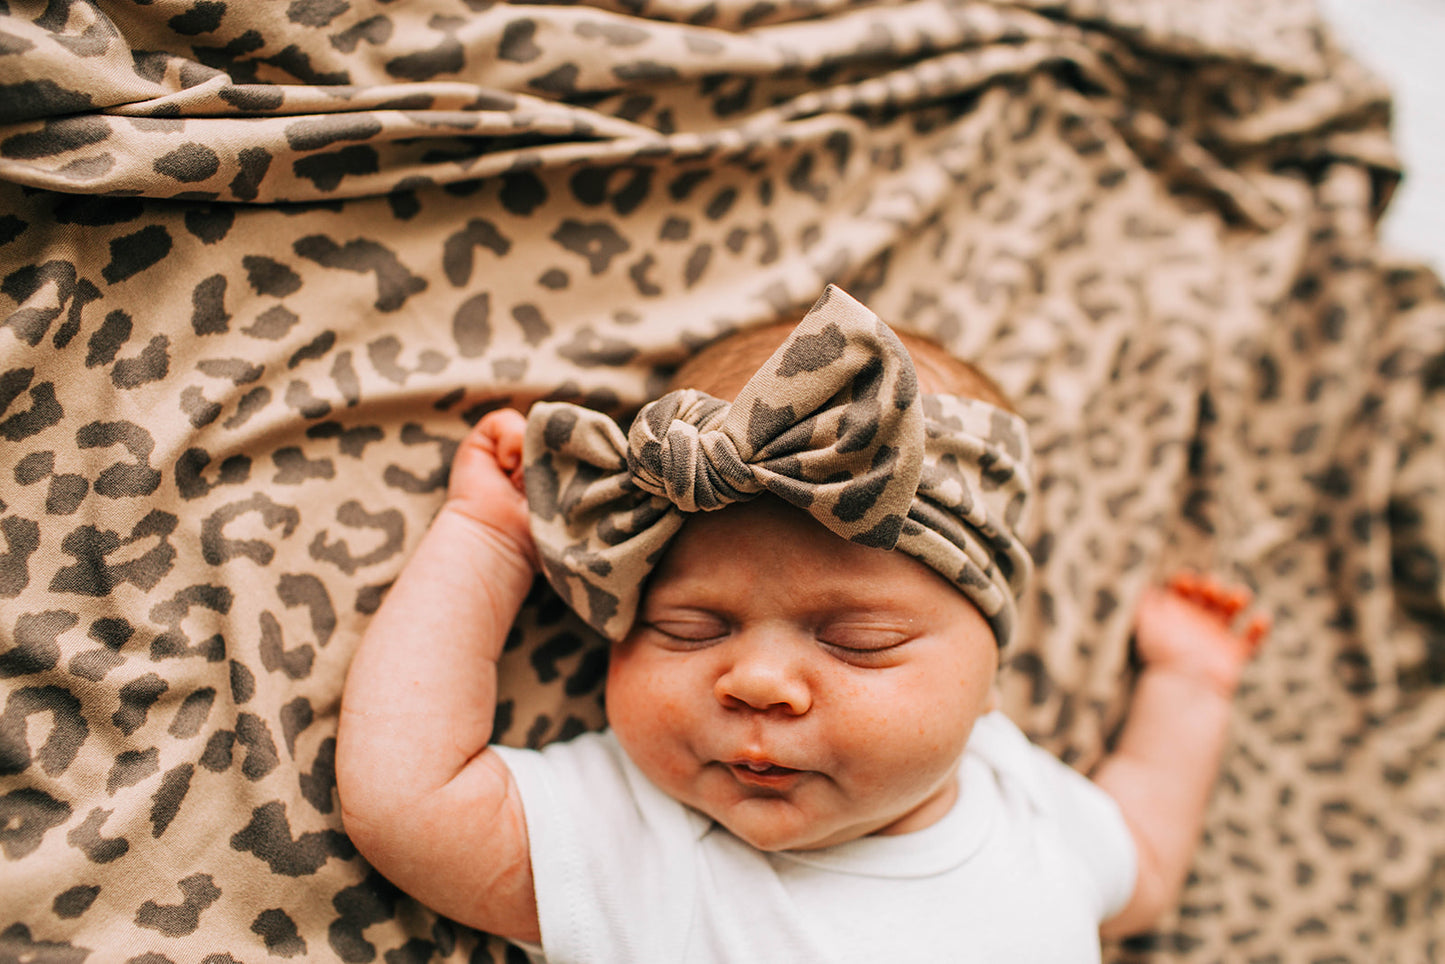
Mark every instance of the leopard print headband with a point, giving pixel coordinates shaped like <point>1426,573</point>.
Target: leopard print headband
<point>832,423</point>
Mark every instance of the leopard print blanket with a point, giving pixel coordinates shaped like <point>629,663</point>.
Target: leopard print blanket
<point>262,264</point>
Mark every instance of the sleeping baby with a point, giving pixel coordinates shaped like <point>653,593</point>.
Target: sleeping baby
<point>808,560</point>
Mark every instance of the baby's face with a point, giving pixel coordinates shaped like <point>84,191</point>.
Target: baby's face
<point>799,689</point>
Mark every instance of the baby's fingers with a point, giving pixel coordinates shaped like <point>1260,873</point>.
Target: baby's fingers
<point>1255,631</point>
<point>506,428</point>
<point>1210,594</point>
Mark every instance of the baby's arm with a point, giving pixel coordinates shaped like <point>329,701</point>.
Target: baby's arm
<point>422,797</point>
<point>1168,756</point>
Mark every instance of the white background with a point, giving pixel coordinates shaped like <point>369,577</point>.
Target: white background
<point>1404,42</point>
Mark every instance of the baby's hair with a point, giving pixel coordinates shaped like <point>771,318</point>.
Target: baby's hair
<point>721,367</point>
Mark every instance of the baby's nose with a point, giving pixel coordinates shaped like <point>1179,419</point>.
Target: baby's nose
<point>765,677</point>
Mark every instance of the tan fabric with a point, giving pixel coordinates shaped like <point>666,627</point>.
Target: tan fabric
<point>832,423</point>
<point>226,419</point>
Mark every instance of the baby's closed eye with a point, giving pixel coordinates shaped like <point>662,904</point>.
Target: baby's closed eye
<point>863,642</point>
<point>685,627</point>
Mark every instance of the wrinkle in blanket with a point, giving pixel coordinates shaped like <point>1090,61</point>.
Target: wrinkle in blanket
<point>262,264</point>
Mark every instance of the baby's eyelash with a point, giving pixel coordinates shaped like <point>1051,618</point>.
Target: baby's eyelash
<point>687,631</point>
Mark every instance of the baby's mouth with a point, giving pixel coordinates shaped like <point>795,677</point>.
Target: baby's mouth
<point>762,773</point>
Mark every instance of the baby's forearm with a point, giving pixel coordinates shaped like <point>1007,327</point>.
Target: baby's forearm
<point>420,697</point>
<point>1161,774</point>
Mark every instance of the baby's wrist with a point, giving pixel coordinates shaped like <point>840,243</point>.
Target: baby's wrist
<point>1220,679</point>
<point>507,538</point>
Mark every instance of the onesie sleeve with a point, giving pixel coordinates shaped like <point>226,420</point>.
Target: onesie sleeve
<point>1093,827</point>
<point>612,857</point>
<point>1087,821</point>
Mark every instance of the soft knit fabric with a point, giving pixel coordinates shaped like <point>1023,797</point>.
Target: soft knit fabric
<point>832,423</point>
<point>1025,866</point>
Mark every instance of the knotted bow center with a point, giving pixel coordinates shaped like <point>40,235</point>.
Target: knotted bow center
<point>674,450</point>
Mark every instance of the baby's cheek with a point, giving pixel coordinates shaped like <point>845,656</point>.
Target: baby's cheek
<point>640,702</point>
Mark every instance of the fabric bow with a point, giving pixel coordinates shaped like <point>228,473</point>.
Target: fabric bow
<point>832,423</point>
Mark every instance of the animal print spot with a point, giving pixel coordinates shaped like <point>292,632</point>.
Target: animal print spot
<point>255,738</point>
<point>315,349</point>
<point>268,836</point>
<point>294,468</point>
<point>351,441</point>
<point>166,801</point>
<point>327,170</point>
<point>269,276</point>
<point>860,496</point>
<point>589,349</point>
<point>69,729</point>
<point>192,462</point>
<point>208,307</point>
<point>74,902</point>
<point>131,767</point>
<point>447,57</point>
<point>132,254</point>
<point>522,192</point>
<point>11,228</point>
<point>273,324</point>
<point>44,410</point>
<point>358,907</point>
<point>390,523</point>
<point>177,920</point>
<point>296,716</point>
<point>94,664</point>
<point>295,663</point>
<point>210,224</point>
<point>218,549</point>
<point>31,99</point>
<point>315,13</point>
<point>616,34</point>
<point>810,353</point>
<point>36,646</point>
<point>31,322</point>
<point>26,814</point>
<point>87,168</point>
<point>318,786</point>
<point>192,713</point>
<point>279,933</point>
<point>472,327</point>
<point>374,30</point>
<point>645,72</point>
<point>315,133</point>
<point>122,479</point>
<point>518,43</point>
<point>535,327</point>
<point>203,17</point>
<point>385,355</point>
<point>253,98</point>
<point>56,136</point>
<point>189,164</point>
<point>457,250</point>
<point>88,840</point>
<point>94,211</point>
<point>598,242</point>
<point>253,163</point>
<point>394,283</point>
<point>151,365</point>
<point>594,186</point>
<point>136,699</point>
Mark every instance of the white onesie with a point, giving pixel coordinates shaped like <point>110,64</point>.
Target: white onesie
<point>1027,864</point>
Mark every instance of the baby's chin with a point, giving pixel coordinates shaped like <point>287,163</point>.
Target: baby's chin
<point>779,836</point>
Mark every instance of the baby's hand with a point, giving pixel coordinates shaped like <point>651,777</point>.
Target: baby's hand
<point>486,480</point>
<point>1190,627</point>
